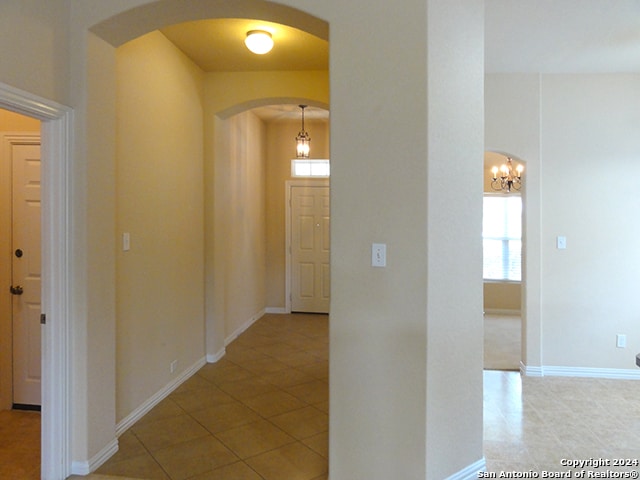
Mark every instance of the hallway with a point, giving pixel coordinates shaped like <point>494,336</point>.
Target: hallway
<point>259,413</point>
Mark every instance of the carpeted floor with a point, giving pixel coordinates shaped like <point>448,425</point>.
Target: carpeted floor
<point>502,344</point>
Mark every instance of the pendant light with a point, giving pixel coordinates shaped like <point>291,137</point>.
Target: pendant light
<point>303,139</point>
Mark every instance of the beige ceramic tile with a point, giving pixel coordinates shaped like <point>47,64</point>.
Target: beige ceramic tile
<point>245,389</point>
<point>167,408</point>
<point>263,366</point>
<point>128,446</point>
<point>224,417</point>
<point>288,378</point>
<point>319,443</point>
<point>143,466</point>
<point>235,471</point>
<point>274,403</point>
<point>169,431</point>
<point>201,398</point>
<point>254,438</point>
<point>291,462</point>
<point>303,423</point>
<point>313,392</point>
<point>184,460</point>
<point>224,371</point>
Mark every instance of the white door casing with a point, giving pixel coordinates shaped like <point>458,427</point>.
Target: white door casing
<point>309,249</point>
<point>24,151</point>
<point>57,268</point>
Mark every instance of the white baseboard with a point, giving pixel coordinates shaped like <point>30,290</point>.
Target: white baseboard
<point>244,326</point>
<point>277,310</point>
<point>143,409</point>
<point>85,468</point>
<point>612,373</point>
<point>529,371</point>
<point>213,358</point>
<point>585,372</point>
<point>216,356</point>
<point>471,471</point>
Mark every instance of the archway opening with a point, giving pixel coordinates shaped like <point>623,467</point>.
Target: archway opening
<point>181,232</point>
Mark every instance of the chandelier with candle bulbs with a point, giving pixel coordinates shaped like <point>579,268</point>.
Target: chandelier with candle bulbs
<point>506,178</point>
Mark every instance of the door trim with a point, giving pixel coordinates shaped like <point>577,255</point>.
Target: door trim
<point>289,184</point>
<point>57,265</point>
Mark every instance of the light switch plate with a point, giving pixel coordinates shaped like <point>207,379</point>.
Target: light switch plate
<point>378,255</point>
<point>561,242</point>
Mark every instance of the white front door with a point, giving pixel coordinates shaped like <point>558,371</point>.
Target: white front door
<point>25,272</point>
<point>310,249</point>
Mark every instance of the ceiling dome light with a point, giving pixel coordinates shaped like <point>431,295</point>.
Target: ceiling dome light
<point>259,41</point>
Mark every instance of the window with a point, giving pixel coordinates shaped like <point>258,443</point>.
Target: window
<point>310,168</point>
<point>502,237</point>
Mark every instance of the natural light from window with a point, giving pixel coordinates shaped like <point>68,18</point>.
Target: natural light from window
<point>310,168</point>
<point>502,237</point>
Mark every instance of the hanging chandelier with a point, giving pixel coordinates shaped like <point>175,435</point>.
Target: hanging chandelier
<point>509,178</point>
<point>303,139</point>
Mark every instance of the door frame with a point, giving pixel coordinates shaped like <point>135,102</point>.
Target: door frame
<point>289,184</point>
<point>7,140</point>
<point>57,266</point>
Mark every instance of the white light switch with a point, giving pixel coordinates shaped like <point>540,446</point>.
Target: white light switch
<point>378,255</point>
<point>126,242</point>
<point>561,242</point>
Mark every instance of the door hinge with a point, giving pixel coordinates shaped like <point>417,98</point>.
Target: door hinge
<point>43,318</point>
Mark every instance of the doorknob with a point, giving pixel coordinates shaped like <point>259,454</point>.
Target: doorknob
<point>16,290</point>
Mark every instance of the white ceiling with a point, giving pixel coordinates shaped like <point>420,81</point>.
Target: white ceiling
<point>562,36</point>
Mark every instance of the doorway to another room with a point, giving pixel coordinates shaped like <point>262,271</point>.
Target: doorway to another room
<point>502,264</point>
<point>20,274</point>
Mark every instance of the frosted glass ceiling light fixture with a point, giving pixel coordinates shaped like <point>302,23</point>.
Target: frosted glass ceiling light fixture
<point>303,139</point>
<point>509,178</point>
<point>259,41</point>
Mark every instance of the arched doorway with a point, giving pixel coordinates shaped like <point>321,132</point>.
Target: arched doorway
<point>216,333</point>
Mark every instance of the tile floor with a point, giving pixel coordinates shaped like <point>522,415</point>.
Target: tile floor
<point>260,413</point>
<point>19,445</point>
<point>532,423</point>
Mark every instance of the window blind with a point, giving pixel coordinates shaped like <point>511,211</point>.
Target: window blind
<point>502,237</point>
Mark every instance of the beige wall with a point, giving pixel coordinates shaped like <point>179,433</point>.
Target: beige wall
<point>14,122</point>
<point>280,151</point>
<point>590,194</point>
<point>240,174</point>
<point>577,134</point>
<point>35,37</point>
<point>395,132</point>
<point>160,280</point>
<point>502,298</point>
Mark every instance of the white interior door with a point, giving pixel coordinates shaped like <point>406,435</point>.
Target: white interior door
<point>310,279</point>
<point>25,287</point>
